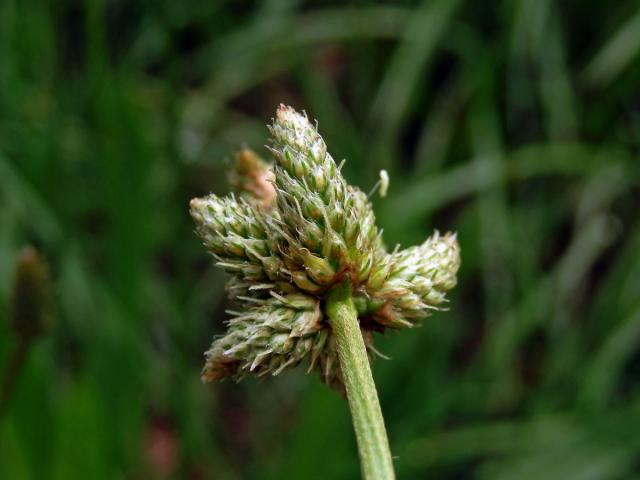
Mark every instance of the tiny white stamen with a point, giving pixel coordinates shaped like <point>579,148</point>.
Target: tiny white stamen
<point>382,185</point>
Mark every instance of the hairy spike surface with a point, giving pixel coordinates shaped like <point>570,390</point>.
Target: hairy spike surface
<point>237,235</point>
<point>328,225</point>
<point>413,282</point>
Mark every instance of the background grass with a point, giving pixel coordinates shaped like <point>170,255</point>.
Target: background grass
<point>516,123</point>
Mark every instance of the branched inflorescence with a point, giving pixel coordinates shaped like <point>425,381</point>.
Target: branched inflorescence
<point>296,230</point>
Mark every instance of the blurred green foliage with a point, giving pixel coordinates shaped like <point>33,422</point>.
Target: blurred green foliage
<point>516,123</point>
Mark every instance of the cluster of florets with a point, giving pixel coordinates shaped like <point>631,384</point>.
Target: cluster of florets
<point>296,230</point>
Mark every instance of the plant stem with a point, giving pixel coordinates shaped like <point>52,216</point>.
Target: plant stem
<point>373,445</point>
<point>12,372</point>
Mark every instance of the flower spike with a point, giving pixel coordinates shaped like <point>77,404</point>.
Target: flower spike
<point>326,222</point>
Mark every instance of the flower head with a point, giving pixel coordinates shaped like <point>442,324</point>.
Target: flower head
<point>286,255</point>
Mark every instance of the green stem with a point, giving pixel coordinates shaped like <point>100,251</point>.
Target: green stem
<point>373,445</point>
<point>12,373</point>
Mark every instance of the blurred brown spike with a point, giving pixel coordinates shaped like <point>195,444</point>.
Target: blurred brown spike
<point>31,307</point>
<point>252,177</point>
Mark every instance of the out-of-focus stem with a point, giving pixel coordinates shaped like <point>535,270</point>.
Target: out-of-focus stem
<point>12,372</point>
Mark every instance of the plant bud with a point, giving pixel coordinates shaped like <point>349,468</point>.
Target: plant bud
<point>318,268</point>
<point>302,281</point>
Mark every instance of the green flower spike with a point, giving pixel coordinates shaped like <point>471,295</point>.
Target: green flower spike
<point>236,233</point>
<point>408,284</point>
<point>328,225</point>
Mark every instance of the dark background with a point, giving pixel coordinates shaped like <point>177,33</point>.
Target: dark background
<point>515,123</point>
